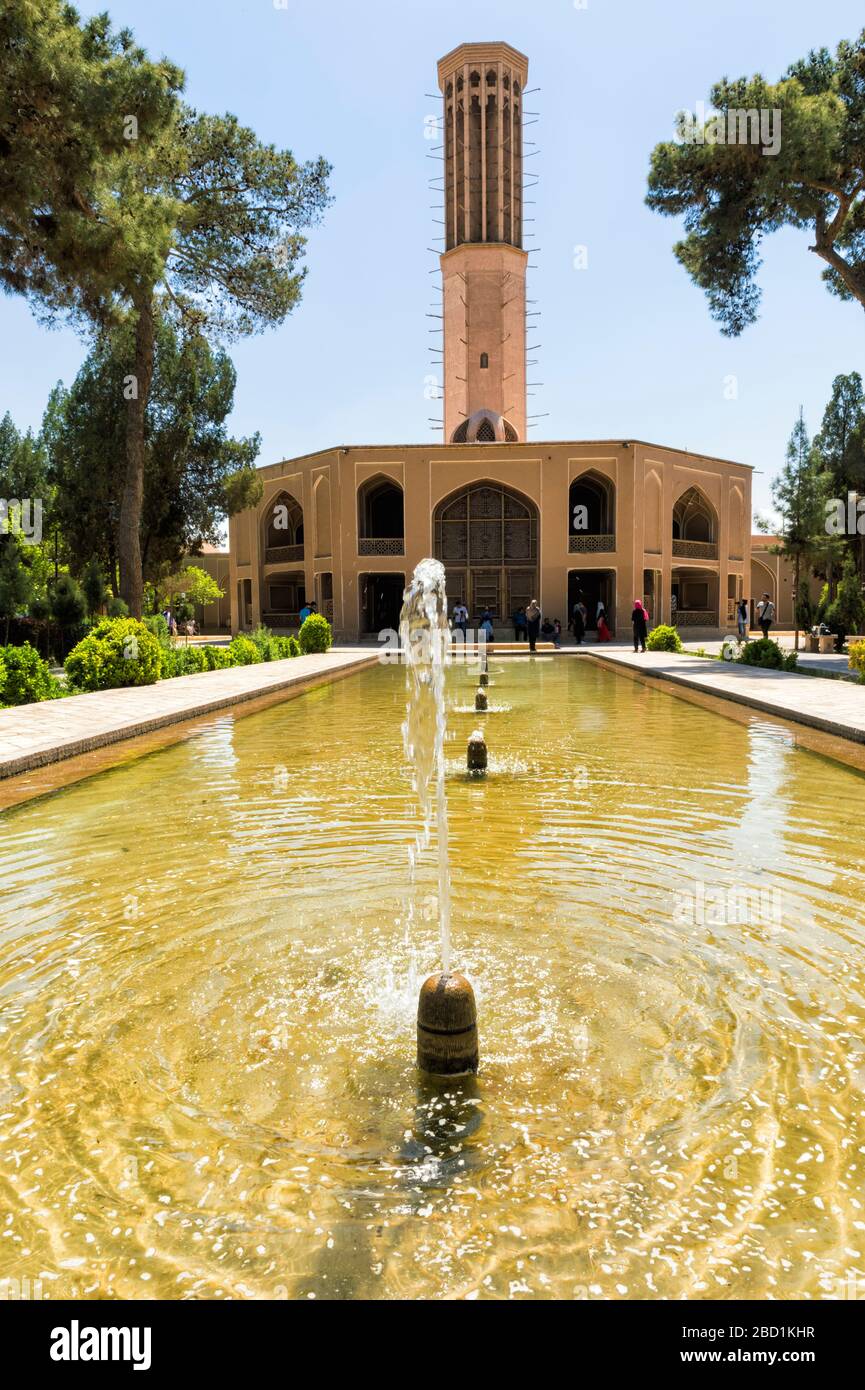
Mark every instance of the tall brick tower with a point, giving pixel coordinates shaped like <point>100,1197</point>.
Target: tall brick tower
<point>484,264</point>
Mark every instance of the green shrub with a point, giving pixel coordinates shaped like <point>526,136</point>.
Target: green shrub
<point>315,635</point>
<point>856,657</point>
<point>218,658</point>
<point>243,651</point>
<point>188,661</point>
<point>117,652</point>
<point>265,643</point>
<point>766,653</point>
<point>272,648</point>
<point>181,661</point>
<point>25,677</point>
<point>117,607</point>
<point>664,638</point>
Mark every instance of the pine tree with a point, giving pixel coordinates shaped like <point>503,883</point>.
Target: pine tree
<point>800,493</point>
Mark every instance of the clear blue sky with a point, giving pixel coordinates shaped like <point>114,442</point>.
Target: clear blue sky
<point>628,348</point>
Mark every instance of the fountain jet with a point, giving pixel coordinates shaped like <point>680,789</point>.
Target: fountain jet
<point>447,1037</point>
<point>425,639</point>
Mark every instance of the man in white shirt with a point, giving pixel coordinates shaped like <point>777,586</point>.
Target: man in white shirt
<point>765,614</point>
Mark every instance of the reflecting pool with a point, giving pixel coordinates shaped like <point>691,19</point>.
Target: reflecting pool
<point>207,1081</point>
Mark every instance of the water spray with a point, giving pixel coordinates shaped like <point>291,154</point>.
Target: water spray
<point>447,1020</point>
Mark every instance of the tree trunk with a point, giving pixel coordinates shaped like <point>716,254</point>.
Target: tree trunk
<point>129,524</point>
<point>796,578</point>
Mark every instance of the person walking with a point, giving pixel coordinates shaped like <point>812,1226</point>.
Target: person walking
<point>557,633</point>
<point>520,625</point>
<point>461,618</point>
<point>640,621</point>
<point>742,618</point>
<point>604,634</point>
<point>533,622</point>
<point>578,621</point>
<point>766,614</point>
<point>487,624</point>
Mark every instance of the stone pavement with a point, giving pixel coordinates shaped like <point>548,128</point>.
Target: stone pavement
<point>33,736</point>
<point>836,707</point>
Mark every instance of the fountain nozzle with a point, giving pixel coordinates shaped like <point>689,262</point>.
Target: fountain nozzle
<point>476,753</point>
<point>447,1026</point>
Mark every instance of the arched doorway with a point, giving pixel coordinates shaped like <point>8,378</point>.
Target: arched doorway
<point>486,536</point>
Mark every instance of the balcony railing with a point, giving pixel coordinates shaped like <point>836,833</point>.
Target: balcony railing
<point>695,550</point>
<point>695,617</point>
<point>381,545</point>
<point>283,554</point>
<point>592,545</point>
<point>280,617</point>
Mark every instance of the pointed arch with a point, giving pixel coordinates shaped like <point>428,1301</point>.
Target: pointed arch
<point>592,511</point>
<point>381,516</point>
<point>486,535</point>
<point>282,524</point>
<point>694,518</point>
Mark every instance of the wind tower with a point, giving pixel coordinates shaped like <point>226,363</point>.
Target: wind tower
<point>483,264</point>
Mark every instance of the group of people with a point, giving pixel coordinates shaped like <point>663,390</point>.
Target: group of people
<point>529,624</point>
<point>307,610</point>
<point>189,628</point>
<point>580,621</point>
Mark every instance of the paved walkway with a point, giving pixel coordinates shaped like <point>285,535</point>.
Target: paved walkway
<point>836,707</point>
<point>33,736</point>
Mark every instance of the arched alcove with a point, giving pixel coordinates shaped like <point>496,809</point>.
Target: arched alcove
<point>283,530</point>
<point>592,513</point>
<point>380,517</point>
<point>694,519</point>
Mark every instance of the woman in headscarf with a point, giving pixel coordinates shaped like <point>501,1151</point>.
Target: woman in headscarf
<point>640,621</point>
<point>533,619</point>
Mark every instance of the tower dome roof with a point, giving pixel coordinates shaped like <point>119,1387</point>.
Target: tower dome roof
<point>485,427</point>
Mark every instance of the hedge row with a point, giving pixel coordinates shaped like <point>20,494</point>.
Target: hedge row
<point>120,652</point>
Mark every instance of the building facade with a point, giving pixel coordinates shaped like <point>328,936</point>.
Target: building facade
<point>511,519</point>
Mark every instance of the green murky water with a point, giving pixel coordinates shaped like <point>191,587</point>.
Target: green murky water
<point>207,1085</point>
